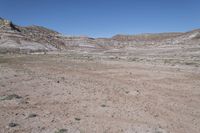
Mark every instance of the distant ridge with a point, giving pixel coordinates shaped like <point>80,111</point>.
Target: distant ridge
<point>18,39</point>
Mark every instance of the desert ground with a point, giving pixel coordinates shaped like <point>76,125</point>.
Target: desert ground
<point>74,93</point>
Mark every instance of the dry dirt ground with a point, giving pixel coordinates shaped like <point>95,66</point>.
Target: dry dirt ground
<point>60,94</point>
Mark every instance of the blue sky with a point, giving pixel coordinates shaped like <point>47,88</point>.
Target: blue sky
<point>104,18</point>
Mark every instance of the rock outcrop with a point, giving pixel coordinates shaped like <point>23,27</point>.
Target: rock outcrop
<point>18,39</point>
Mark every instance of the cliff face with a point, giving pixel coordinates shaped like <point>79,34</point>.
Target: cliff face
<point>14,38</point>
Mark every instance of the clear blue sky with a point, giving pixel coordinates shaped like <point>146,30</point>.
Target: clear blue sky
<point>104,18</point>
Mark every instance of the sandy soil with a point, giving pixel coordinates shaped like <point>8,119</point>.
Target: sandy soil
<point>58,94</point>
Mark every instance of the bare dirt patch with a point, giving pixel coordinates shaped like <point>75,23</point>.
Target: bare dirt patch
<point>62,93</point>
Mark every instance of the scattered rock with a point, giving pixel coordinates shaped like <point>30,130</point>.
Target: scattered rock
<point>43,128</point>
<point>53,120</point>
<point>32,115</point>
<point>78,119</point>
<point>3,85</point>
<point>103,105</point>
<point>156,115</point>
<point>127,92</point>
<point>12,124</point>
<point>61,131</point>
<point>10,97</point>
<point>58,81</point>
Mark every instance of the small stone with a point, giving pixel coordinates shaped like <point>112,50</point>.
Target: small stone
<point>43,128</point>
<point>103,105</point>
<point>32,115</point>
<point>12,124</point>
<point>58,81</point>
<point>156,115</point>
<point>62,131</point>
<point>78,119</point>
<point>3,85</point>
<point>10,97</point>
<point>127,92</point>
